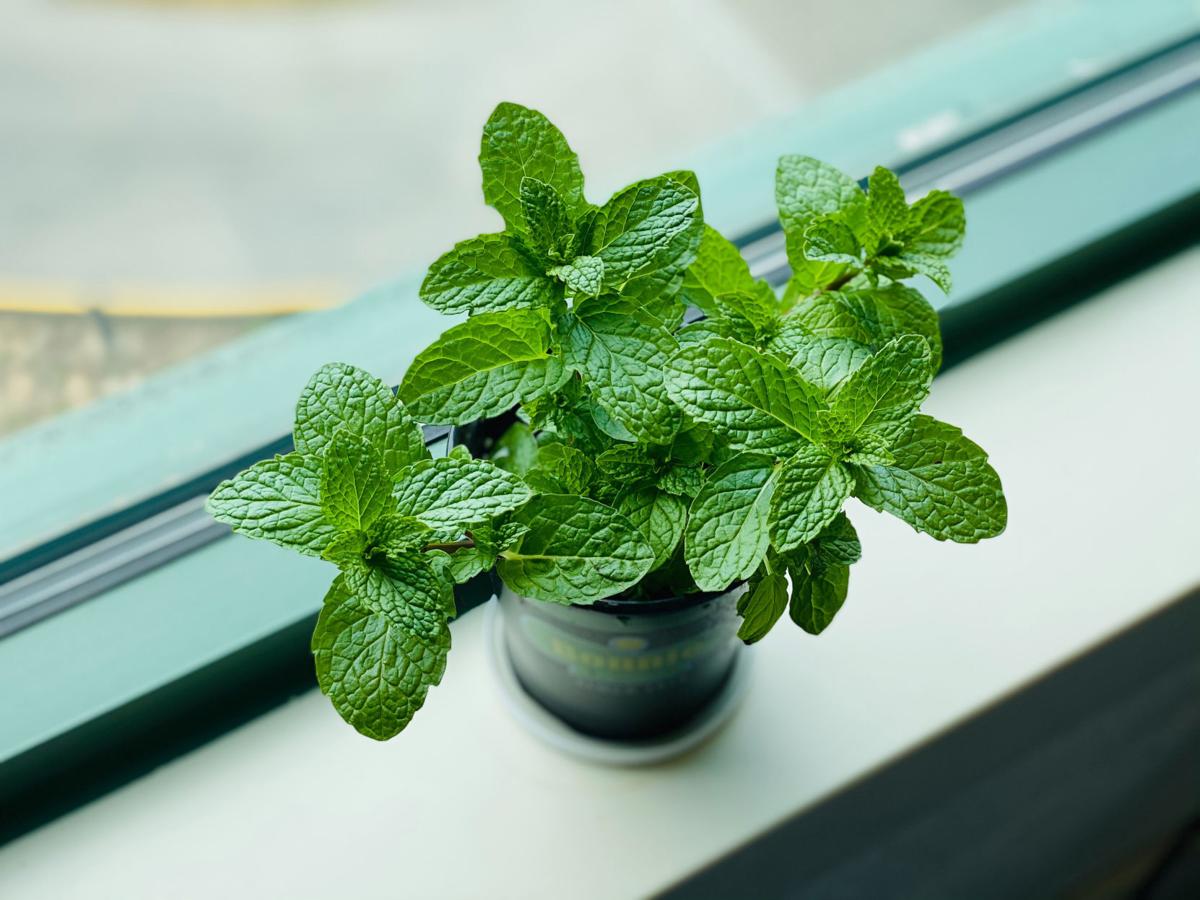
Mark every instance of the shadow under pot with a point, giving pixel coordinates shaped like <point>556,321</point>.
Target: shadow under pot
<point>617,669</point>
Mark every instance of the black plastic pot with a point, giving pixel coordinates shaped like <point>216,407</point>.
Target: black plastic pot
<point>624,670</point>
<point>618,669</point>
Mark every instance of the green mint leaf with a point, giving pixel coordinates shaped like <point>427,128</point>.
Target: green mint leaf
<point>871,316</point>
<point>484,274</point>
<point>636,231</point>
<point>561,470</point>
<point>483,367</point>
<point>806,188</point>
<point>820,573</point>
<point>817,595</point>
<point>756,401</point>
<point>629,464</point>
<point>935,228</point>
<point>838,544</point>
<point>622,357</point>
<point>449,492</point>
<point>660,518</point>
<point>545,214</point>
<point>656,290</point>
<point>727,530</point>
<point>682,481</point>
<point>342,397</point>
<point>887,206</point>
<point>355,490</point>
<point>885,391</point>
<point>605,422</point>
<point>521,143</point>
<point>583,276</point>
<point>809,492</point>
<point>374,673</point>
<point>761,606</point>
<point>277,500</point>
<point>406,590</point>
<point>719,268</point>
<point>869,449</point>
<point>517,449</point>
<point>829,239</point>
<point>575,551</point>
<point>347,548</point>
<point>823,361</point>
<point>940,483</point>
<point>931,267</point>
<point>397,535</point>
<point>753,312</point>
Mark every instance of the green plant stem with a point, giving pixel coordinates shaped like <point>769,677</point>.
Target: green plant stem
<point>450,546</point>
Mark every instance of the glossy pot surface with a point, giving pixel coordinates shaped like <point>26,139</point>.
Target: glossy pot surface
<point>623,669</point>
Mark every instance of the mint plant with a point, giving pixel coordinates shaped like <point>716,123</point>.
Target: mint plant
<point>649,457</point>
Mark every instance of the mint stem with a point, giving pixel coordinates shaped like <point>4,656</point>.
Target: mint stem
<point>450,546</point>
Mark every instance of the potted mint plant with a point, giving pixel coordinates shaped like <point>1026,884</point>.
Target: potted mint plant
<point>648,490</point>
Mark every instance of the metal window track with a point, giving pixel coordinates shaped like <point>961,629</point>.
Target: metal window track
<point>99,556</point>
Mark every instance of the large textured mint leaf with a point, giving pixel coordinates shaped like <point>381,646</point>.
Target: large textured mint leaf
<point>806,188</point>
<point>871,316</point>
<point>823,361</point>
<point>719,268</point>
<point>449,492</point>
<point>940,483</point>
<point>817,595</point>
<point>521,143</point>
<point>355,489</point>
<point>622,357</point>
<point>761,606</point>
<point>406,590</point>
<point>341,397</point>
<point>583,276</point>
<point>636,231</point>
<point>727,530</point>
<point>656,290</point>
<point>375,674</point>
<point>810,491</point>
<point>484,274</point>
<point>755,400</point>
<point>277,500</point>
<point>886,389</point>
<point>660,518</point>
<point>575,551</point>
<point>482,367</point>
<point>547,221</point>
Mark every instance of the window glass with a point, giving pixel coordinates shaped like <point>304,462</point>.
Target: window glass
<point>177,175</point>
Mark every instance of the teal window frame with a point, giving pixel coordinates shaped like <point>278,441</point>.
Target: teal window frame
<point>160,656</point>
